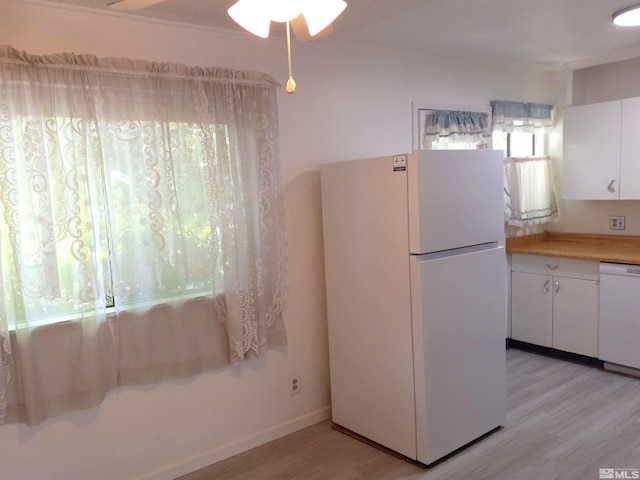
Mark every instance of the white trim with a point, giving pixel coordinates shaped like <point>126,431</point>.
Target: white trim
<point>128,16</point>
<point>237,446</point>
<point>618,56</point>
<point>614,367</point>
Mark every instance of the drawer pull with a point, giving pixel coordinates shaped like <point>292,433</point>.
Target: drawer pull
<point>552,269</point>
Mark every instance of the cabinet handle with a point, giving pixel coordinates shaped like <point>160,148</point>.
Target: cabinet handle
<point>557,284</point>
<point>552,269</point>
<point>545,287</point>
<point>610,186</point>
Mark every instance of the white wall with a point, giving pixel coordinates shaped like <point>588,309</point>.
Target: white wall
<point>611,81</point>
<point>352,101</point>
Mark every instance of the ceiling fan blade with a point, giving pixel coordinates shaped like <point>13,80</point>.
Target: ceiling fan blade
<point>128,5</point>
<point>301,29</point>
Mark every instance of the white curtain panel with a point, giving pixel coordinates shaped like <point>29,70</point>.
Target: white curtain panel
<point>529,193</point>
<point>141,230</point>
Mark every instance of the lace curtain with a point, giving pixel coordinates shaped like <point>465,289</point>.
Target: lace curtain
<point>141,229</point>
<point>452,126</point>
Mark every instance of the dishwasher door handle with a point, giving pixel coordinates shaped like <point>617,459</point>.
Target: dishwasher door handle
<point>633,271</point>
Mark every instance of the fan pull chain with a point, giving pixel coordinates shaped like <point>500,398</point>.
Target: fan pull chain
<point>291,83</point>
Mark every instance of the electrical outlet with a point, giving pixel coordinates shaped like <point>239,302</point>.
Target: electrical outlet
<point>616,222</point>
<point>294,384</point>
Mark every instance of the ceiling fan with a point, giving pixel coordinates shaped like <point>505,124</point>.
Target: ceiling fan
<point>307,18</point>
<point>311,18</point>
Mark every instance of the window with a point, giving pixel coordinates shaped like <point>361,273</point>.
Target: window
<point>442,144</point>
<point>519,144</point>
<point>151,224</point>
<point>519,129</point>
<point>154,188</point>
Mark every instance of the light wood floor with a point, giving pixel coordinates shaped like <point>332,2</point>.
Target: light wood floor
<point>565,421</point>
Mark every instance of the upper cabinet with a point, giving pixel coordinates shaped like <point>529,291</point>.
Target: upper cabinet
<point>601,156</point>
<point>630,150</point>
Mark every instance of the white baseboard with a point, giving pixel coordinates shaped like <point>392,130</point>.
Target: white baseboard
<point>188,465</point>
<point>634,372</point>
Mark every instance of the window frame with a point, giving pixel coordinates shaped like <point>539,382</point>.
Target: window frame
<point>538,142</point>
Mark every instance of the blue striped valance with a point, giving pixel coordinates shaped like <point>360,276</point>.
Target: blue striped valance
<point>521,117</point>
<point>457,126</point>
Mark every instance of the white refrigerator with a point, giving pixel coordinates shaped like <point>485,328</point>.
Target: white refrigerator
<point>416,298</point>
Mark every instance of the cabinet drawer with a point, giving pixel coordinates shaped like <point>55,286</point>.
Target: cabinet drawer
<point>557,266</point>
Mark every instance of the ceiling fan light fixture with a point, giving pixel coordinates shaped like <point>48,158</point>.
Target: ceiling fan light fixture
<point>627,17</point>
<point>319,15</point>
<point>256,17</point>
<point>252,16</point>
<point>284,10</point>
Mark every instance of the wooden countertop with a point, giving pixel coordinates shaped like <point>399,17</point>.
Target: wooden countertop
<point>602,248</point>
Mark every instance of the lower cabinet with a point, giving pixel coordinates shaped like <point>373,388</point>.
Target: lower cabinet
<point>554,303</point>
<point>532,308</point>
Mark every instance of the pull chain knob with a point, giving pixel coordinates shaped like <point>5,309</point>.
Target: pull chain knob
<point>291,83</point>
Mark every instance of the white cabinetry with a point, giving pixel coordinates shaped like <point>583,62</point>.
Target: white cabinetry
<point>630,149</point>
<point>601,151</point>
<point>554,303</point>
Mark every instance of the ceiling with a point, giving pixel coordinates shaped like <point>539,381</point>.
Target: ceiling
<point>540,33</point>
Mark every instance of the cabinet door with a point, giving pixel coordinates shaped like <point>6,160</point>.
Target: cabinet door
<point>575,315</point>
<point>531,308</point>
<point>630,150</point>
<point>591,151</point>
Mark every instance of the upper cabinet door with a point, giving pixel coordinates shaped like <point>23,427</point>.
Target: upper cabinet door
<point>630,150</point>
<point>591,145</point>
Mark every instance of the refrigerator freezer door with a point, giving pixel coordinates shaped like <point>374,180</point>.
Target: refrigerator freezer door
<point>459,321</point>
<point>456,199</point>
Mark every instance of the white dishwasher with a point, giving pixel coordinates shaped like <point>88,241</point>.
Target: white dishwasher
<point>619,330</point>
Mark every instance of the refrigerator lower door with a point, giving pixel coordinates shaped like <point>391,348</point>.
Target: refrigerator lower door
<point>459,330</point>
